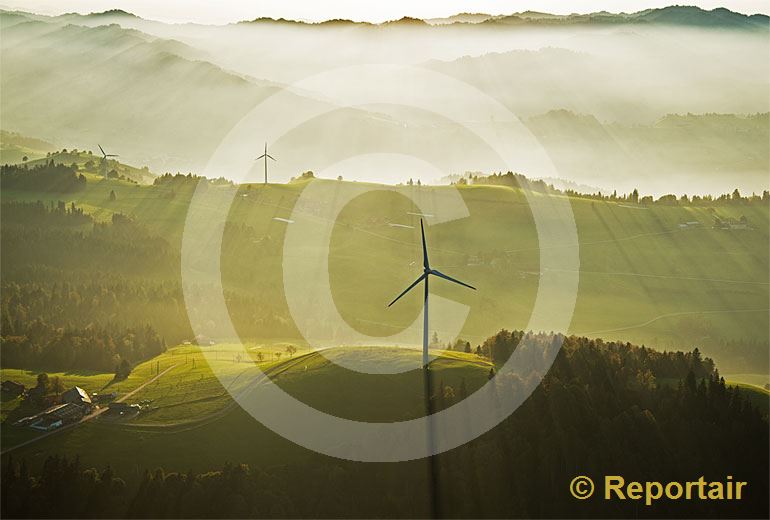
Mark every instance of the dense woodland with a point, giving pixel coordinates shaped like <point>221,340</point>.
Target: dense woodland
<point>79,294</point>
<point>47,323</point>
<point>179,178</point>
<point>45,177</point>
<point>35,236</point>
<point>604,408</point>
<point>40,344</point>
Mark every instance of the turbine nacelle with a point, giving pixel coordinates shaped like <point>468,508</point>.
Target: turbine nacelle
<point>427,271</point>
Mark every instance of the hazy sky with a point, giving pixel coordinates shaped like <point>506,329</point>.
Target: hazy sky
<point>224,11</point>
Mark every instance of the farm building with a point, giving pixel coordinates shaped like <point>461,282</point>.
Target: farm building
<point>78,396</point>
<point>731,223</point>
<point>13,388</point>
<point>67,412</point>
<point>46,424</point>
<point>55,417</point>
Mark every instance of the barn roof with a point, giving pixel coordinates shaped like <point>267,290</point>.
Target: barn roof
<point>76,395</point>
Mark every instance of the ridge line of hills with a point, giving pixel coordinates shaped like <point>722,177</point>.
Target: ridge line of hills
<point>91,58</point>
<point>14,146</point>
<point>680,15</point>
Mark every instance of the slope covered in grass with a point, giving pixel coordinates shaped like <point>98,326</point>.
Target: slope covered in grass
<point>317,381</point>
<point>643,278</point>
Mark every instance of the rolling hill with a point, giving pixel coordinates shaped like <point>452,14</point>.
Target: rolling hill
<point>697,150</point>
<point>90,163</point>
<point>15,147</point>
<point>189,397</point>
<point>675,15</point>
<point>106,76</point>
<point>166,94</point>
<point>671,15</point>
<point>644,276</point>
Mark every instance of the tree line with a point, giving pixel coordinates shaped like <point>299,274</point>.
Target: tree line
<point>69,280</point>
<point>34,234</point>
<point>100,348</point>
<point>517,180</point>
<point>48,176</point>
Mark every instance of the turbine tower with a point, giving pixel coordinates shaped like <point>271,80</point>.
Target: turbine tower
<point>265,156</point>
<point>103,164</point>
<point>426,272</point>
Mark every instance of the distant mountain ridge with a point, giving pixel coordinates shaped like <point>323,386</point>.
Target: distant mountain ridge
<point>164,95</point>
<point>672,15</point>
<point>678,15</point>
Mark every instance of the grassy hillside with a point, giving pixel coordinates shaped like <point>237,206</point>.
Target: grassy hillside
<point>89,162</point>
<point>642,278</point>
<point>18,149</point>
<point>317,381</point>
<point>759,380</point>
<point>190,406</point>
<point>191,390</point>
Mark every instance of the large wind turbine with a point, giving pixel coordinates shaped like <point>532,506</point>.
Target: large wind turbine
<point>103,164</point>
<point>435,503</point>
<point>426,272</point>
<point>265,156</point>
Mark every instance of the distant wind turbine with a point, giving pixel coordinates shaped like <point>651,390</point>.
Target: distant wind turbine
<point>265,156</point>
<point>426,272</point>
<point>103,164</point>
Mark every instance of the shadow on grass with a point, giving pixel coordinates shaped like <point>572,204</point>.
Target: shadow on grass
<point>115,380</point>
<point>6,397</point>
<point>52,370</point>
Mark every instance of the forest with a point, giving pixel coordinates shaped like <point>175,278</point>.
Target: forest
<point>81,294</point>
<point>39,344</point>
<point>49,176</point>
<point>604,408</point>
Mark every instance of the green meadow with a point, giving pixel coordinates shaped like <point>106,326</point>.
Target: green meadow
<point>192,410</point>
<point>643,278</point>
<point>193,424</point>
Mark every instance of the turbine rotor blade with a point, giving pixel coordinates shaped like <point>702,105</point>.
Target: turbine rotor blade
<point>271,157</point>
<point>420,279</point>
<point>425,263</point>
<point>102,149</point>
<point>260,157</point>
<point>445,277</point>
